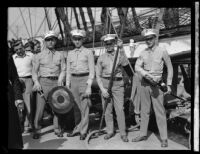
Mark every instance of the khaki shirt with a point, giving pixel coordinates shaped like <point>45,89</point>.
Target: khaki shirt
<point>80,61</point>
<point>105,64</point>
<point>51,63</point>
<point>152,61</point>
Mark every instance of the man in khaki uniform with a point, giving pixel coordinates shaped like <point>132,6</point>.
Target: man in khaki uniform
<point>103,73</point>
<point>79,77</point>
<point>50,65</point>
<point>150,65</point>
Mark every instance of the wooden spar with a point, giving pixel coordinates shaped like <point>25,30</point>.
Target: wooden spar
<point>76,17</point>
<point>136,21</point>
<point>122,13</point>
<point>83,19</point>
<point>64,19</point>
<point>47,17</point>
<point>103,19</point>
<point>171,17</point>
<point>89,10</point>
<point>59,24</point>
<point>157,25</point>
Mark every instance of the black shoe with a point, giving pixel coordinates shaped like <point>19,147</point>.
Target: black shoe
<point>59,134</point>
<point>73,134</point>
<point>164,143</point>
<point>83,136</point>
<point>108,136</point>
<point>36,136</point>
<point>124,138</point>
<point>139,138</point>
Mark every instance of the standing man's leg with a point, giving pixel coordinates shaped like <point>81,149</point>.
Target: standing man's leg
<point>77,113</point>
<point>160,114</point>
<point>27,95</point>
<point>118,97</point>
<point>145,111</point>
<point>40,103</point>
<point>84,104</point>
<point>108,113</point>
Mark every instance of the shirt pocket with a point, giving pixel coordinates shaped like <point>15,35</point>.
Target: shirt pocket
<point>83,59</point>
<point>56,61</point>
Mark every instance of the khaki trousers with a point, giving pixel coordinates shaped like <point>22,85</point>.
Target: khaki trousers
<point>152,95</point>
<point>27,96</point>
<point>81,106</point>
<point>117,101</point>
<point>47,85</point>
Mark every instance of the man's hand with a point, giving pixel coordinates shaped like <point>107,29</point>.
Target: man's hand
<point>88,91</point>
<point>37,86</point>
<point>119,43</point>
<point>19,104</point>
<point>149,77</point>
<point>105,93</point>
<point>60,83</point>
<point>169,90</point>
<point>137,118</point>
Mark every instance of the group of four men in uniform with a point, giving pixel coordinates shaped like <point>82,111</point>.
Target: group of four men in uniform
<point>79,71</point>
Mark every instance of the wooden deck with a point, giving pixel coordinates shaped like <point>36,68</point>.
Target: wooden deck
<point>50,141</point>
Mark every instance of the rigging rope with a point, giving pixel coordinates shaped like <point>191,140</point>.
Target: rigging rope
<point>94,28</point>
<point>24,22</point>
<point>30,22</point>
<point>40,26</point>
<point>119,38</point>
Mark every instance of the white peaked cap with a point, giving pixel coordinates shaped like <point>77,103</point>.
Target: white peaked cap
<point>147,32</point>
<point>50,34</point>
<point>108,37</point>
<point>78,32</point>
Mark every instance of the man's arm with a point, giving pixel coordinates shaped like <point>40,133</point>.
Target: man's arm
<point>139,66</point>
<point>99,73</point>
<point>68,73</point>
<point>35,69</point>
<point>91,68</point>
<point>63,69</point>
<point>168,63</point>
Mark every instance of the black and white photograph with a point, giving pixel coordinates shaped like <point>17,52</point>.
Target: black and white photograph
<point>103,78</point>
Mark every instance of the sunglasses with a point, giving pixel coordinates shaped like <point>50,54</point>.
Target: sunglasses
<point>77,38</point>
<point>109,43</point>
<point>18,49</point>
<point>49,39</point>
<point>149,38</point>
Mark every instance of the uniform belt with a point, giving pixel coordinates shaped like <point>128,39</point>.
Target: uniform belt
<point>26,77</point>
<point>114,79</point>
<point>80,75</point>
<point>51,77</point>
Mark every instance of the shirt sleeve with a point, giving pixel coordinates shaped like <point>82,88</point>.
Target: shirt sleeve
<point>139,66</point>
<point>168,63</point>
<point>91,67</point>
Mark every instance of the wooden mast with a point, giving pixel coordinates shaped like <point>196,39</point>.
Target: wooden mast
<point>89,10</point>
<point>83,19</point>
<point>76,17</point>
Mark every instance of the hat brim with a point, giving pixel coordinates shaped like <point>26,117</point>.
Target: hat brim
<point>52,36</point>
<point>150,35</point>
